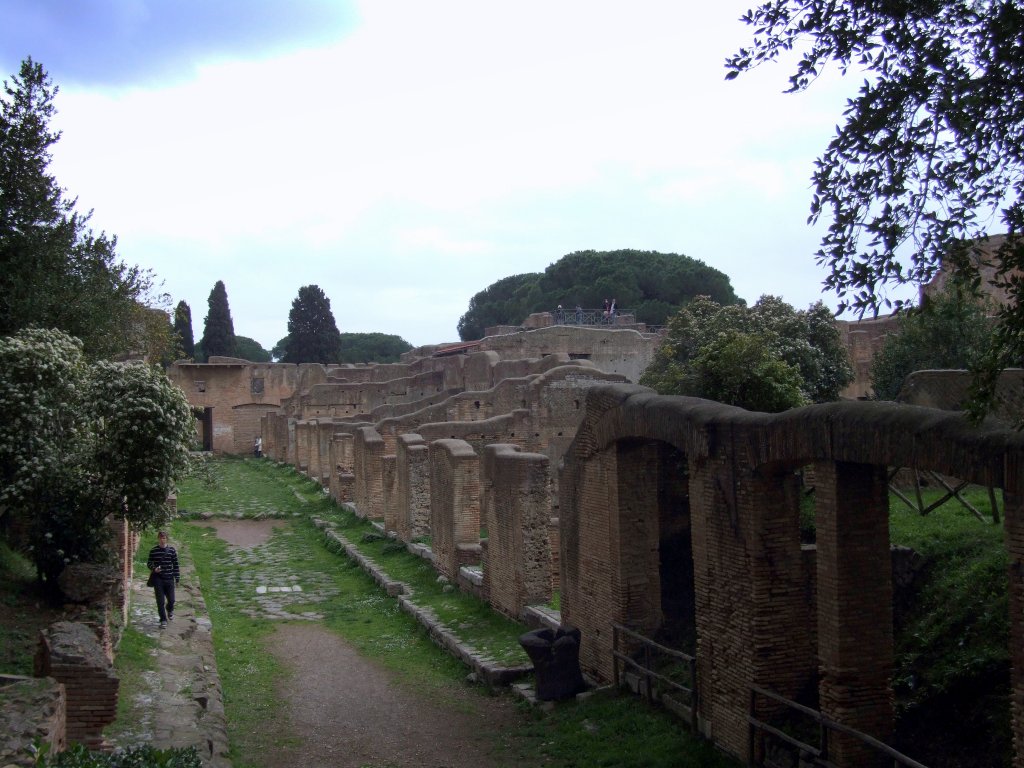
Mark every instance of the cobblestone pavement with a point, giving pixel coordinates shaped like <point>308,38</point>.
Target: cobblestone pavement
<point>263,584</point>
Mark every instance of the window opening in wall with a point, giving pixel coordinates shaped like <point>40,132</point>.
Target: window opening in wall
<point>476,404</point>
<point>579,355</point>
<point>577,404</point>
<point>256,386</point>
<point>200,386</point>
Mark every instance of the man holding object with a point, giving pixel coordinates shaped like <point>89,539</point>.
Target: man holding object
<point>163,575</point>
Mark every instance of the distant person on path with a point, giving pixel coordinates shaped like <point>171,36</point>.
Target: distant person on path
<point>611,313</point>
<point>257,447</point>
<point>560,315</point>
<point>163,575</point>
<point>579,315</point>
<point>607,307</point>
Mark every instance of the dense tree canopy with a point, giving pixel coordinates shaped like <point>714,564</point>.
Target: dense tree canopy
<point>313,335</point>
<point>651,284</point>
<point>948,330</point>
<point>183,329</point>
<point>218,329</point>
<point>372,348</point>
<point>251,350</point>
<point>54,271</point>
<point>931,154</point>
<point>768,357</point>
<point>80,442</point>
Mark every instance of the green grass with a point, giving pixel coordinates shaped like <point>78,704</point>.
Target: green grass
<point>952,652</point>
<point>602,730</point>
<point>248,673</point>
<point>470,618</point>
<point>135,657</point>
<point>609,729</point>
<point>256,489</point>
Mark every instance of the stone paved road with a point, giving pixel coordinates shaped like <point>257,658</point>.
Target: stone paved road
<point>342,709</point>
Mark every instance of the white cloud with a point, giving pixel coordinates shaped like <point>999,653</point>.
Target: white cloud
<point>437,147</point>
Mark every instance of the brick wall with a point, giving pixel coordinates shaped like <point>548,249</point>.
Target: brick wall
<point>454,505</point>
<point>389,484</point>
<point>231,388</point>
<point>515,510</point>
<point>412,488</point>
<point>368,455</point>
<point>71,655</point>
<point>855,636</point>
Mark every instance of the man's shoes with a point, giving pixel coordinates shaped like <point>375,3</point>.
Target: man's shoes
<point>163,624</point>
<point>170,615</point>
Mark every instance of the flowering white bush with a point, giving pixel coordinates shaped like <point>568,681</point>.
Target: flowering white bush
<point>80,442</point>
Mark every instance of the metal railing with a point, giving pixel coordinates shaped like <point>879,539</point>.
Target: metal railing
<point>809,755</point>
<point>647,672</point>
<point>572,316</point>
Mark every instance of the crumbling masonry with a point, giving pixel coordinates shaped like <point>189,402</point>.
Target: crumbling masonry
<point>634,505</point>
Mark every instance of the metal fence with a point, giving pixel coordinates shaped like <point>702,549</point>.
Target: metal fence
<point>580,316</point>
<point>655,659</point>
<point>807,754</point>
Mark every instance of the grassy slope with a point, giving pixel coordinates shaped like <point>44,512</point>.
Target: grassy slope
<point>952,658</point>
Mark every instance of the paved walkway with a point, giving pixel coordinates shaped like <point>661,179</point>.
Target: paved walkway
<point>181,703</point>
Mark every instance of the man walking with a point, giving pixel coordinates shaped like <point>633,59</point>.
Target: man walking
<point>164,574</point>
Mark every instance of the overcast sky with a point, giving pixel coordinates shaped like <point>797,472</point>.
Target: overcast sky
<point>404,155</point>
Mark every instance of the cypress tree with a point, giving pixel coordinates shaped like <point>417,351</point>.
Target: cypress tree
<point>183,329</point>
<point>218,331</point>
<point>313,335</point>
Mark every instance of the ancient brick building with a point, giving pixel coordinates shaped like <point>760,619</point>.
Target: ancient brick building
<point>670,516</point>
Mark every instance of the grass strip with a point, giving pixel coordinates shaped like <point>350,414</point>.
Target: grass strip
<point>248,673</point>
<point>468,617</point>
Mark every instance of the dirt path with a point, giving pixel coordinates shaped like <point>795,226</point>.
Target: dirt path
<point>345,710</point>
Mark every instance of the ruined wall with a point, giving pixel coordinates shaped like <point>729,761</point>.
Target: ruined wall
<point>515,510</point>
<point>863,339</point>
<point>412,495</point>
<point>70,654</point>
<point>226,385</point>
<point>341,483</point>
<point>454,506</point>
<point>623,352</point>
<point>749,582</point>
<point>368,457</point>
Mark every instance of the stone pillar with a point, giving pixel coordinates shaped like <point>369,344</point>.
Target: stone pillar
<point>412,497</point>
<point>784,659</point>
<point>454,505</point>
<point>515,511</point>
<point>855,634</point>
<point>324,469</point>
<point>368,455</point>
<point>302,444</point>
<point>389,483</point>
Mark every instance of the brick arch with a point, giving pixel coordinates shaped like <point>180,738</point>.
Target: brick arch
<point>753,616</point>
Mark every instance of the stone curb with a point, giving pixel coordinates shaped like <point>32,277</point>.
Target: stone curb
<point>490,672</point>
